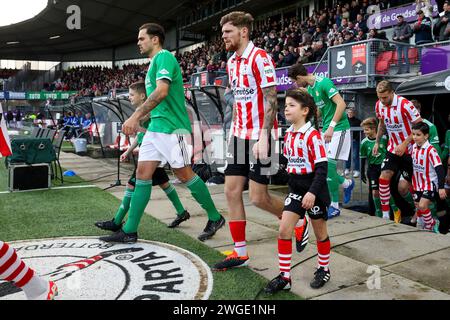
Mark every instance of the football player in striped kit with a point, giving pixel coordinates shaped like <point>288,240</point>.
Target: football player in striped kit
<point>396,115</point>
<point>428,175</point>
<point>308,191</point>
<point>252,79</point>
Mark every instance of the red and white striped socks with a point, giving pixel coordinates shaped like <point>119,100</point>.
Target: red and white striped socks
<point>285,256</point>
<point>385,195</point>
<point>323,253</point>
<point>237,230</point>
<point>12,268</point>
<point>427,218</point>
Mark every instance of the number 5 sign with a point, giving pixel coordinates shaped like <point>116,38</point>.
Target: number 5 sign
<point>341,61</point>
<point>348,61</point>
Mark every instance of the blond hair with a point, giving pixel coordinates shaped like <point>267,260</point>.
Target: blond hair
<point>384,86</point>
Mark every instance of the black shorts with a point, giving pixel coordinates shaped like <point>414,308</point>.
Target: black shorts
<point>401,164</point>
<point>159,177</point>
<point>293,202</point>
<point>427,194</point>
<point>241,162</point>
<point>373,174</point>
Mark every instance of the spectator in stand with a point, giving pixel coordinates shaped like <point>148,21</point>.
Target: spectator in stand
<point>442,29</point>
<point>272,41</point>
<point>361,36</point>
<point>348,37</point>
<point>361,23</point>
<point>422,29</point>
<point>318,51</point>
<point>402,33</point>
<point>211,67</point>
<point>305,53</point>
<point>333,33</point>
<point>318,35</point>
<point>222,67</point>
<point>351,29</point>
<point>344,25</point>
<point>289,57</point>
<point>276,54</point>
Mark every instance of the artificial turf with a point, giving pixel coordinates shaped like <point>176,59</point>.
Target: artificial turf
<point>72,212</point>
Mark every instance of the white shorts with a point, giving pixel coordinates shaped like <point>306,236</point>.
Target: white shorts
<point>166,148</point>
<point>339,146</point>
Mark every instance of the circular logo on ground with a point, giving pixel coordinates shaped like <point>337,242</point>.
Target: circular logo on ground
<point>88,269</point>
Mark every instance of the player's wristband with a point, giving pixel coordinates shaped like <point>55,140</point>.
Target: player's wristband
<point>333,124</point>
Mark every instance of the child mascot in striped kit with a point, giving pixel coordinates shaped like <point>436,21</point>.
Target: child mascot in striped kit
<point>428,175</point>
<point>308,191</point>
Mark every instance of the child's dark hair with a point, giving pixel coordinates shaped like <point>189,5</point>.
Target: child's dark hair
<point>302,96</point>
<point>422,127</point>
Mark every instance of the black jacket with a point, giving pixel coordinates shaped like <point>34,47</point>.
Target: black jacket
<point>402,30</point>
<point>423,33</point>
<point>441,26</point>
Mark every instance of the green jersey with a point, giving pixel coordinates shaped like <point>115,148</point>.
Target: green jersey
<point>446,150</point>
<point>323,91</point>
<point>434,137</point>
<point>366,148</point>
<point>171,114</point>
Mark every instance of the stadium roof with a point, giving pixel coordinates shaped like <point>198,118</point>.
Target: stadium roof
<point>104,24</point>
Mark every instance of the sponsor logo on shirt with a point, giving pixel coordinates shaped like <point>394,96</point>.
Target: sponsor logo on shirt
<point>243,94</point>
<point>418,167</point>
<point>164,72</point>
<point>293,160</point>
<point>268,71</point>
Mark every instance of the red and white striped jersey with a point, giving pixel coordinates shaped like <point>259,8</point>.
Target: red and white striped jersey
<point>398,119</point>
<point>304,149</point>
<point>248,75</point>
<point>425,159</point>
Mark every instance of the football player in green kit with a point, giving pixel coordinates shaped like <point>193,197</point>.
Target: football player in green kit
<point>164,141</point>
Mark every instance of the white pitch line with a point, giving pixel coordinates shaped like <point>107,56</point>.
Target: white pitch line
<point>56,188</point>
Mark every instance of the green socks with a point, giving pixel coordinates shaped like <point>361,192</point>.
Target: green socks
<point>333,180</point>
<point>392,204</point>
<point>377,202</point>
<point>433,209</point>
<point>201,193</point>
<point>124,206</point>
<point>408,198</point>
<point>173,196</point>
<point>378,211</point>
<point>139,201</point>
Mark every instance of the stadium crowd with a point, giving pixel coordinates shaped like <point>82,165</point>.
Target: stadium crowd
<point>287,40</point>
<point>97,81</point>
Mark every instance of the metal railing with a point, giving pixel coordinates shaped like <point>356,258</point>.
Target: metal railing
<point>361,64</point>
